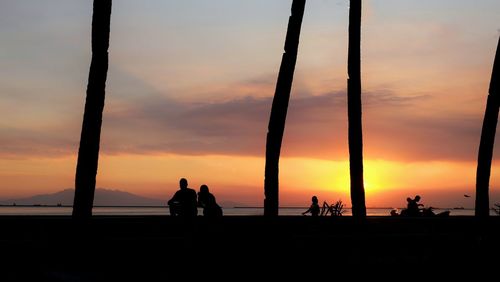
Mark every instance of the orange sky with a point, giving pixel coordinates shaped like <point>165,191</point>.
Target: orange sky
<point>190,88</point>
<point>237,179</point>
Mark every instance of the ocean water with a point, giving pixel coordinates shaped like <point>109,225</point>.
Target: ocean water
<point>240,211</point>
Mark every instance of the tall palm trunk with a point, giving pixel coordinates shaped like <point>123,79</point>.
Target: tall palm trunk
<point>279,109</point>
<point>487,142</point>
<point>354,111</point>
<point>88,154</point>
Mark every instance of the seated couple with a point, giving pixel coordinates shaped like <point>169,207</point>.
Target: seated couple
<point>185,202</point>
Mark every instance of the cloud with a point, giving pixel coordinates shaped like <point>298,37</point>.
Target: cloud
<point>23,143</point>
<point>423,138</point>
<point>141,120</point>
<point>169,126</point>
<point>316,127</point>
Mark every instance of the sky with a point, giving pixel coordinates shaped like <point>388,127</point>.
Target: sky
<point>190,87</point>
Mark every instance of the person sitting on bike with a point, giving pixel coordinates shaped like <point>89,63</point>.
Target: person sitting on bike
<point>413,206</point>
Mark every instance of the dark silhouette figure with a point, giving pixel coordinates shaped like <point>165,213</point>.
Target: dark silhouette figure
<point>183,203</point>
<point>487,142</point>
<point>279,109</point>
<point>314,208</point>
<point>207,201</point>
<point>413,207</point>
<point>88,153</point>
<point>354,111</point>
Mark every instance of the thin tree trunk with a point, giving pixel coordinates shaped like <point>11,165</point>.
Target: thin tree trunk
<point>88,154</point>
<point>354,111</point>
<point>279,109</point>
<point>487,142</point>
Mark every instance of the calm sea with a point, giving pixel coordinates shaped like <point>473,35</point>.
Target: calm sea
<point>53,210</point>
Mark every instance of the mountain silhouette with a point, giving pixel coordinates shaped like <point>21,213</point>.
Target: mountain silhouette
<point>103,197</point>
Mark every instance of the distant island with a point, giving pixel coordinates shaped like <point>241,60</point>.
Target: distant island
<point>103,197</point>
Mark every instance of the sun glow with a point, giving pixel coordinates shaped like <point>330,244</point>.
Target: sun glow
<point>377,175</point>
<point>384,181</point>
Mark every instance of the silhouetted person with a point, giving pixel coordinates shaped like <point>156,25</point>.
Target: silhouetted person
<point>413,206</point>
<point>314,208</point>
<point>207,201</point>
<point>183,203</point>
<point>394,213</point>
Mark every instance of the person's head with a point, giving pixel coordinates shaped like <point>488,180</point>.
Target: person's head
<point>417,198</point>
<point>203,188</point>
<point>408,199</point>
<point>314,199</point>
<point>183,183</point>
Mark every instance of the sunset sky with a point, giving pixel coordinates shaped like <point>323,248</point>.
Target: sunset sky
<point>190,86</point>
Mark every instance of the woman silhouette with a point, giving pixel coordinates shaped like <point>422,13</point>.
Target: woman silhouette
<point>207,201</point>
<point>314,208</point>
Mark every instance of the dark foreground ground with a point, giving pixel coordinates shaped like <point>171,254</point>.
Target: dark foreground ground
<point>157,248</point>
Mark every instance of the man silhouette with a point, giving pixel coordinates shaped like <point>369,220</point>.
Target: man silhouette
<point>413,208</point>
<point>184,202</point>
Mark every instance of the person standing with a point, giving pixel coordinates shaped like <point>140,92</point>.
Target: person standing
<point>184,202</point>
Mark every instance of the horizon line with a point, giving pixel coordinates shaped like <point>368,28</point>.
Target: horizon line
<point>235,207</point>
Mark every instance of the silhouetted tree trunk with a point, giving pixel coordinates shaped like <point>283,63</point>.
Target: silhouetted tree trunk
<point>354,111</point>
<point>88,154</point>
<point>279,109</point>
<point>487,142</point>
